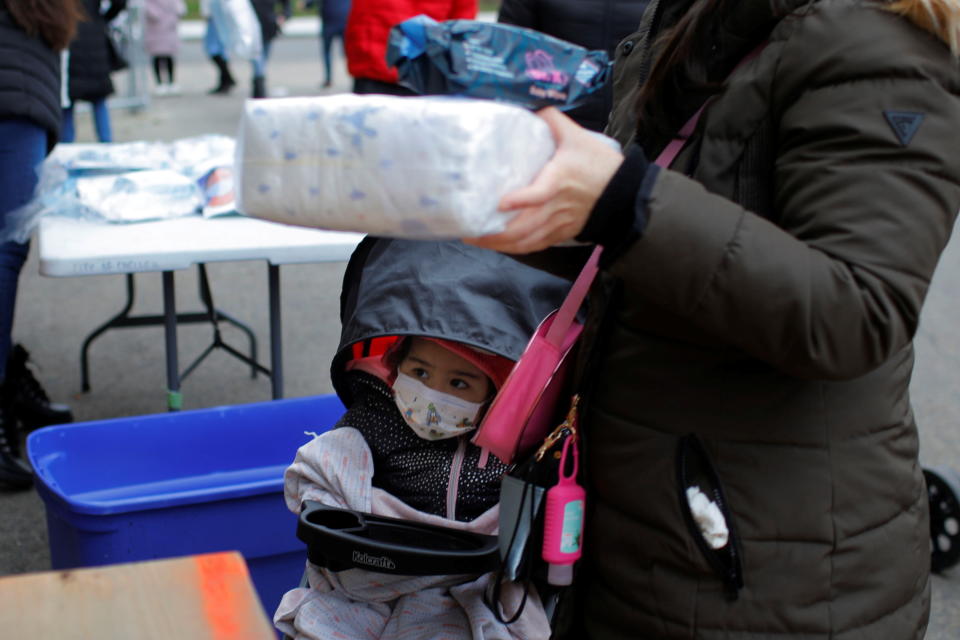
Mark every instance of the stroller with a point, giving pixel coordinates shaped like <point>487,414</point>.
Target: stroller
<point>377,565</point>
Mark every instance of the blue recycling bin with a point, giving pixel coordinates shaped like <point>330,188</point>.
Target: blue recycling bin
<point>175,484</point>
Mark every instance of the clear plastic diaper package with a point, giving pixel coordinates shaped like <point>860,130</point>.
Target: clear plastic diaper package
<point>411,167</point>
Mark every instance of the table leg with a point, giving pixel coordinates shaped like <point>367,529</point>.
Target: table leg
<point>174,398</point>
<point>276,332</point>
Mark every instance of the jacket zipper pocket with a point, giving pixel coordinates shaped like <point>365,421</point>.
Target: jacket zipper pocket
<point>695,470</point>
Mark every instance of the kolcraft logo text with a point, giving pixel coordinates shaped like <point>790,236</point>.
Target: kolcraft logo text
<point>379,562</point>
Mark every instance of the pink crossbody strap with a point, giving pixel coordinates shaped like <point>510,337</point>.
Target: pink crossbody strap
<point>568,310</point>
<point>571,304</point>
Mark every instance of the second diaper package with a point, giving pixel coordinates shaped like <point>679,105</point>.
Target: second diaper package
<point>412,167</point>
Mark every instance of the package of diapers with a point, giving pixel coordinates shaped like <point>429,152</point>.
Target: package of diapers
<point>409,167</point>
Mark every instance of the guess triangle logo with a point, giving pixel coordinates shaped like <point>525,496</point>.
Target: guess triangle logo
<point>904,124</point>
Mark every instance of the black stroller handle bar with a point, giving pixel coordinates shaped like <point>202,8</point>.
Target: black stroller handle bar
<point>340,539</point>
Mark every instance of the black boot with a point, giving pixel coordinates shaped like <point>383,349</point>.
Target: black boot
<point>259,87</point>
<point>226,78</point>
<point>25,400</point>
<point>14,474</point>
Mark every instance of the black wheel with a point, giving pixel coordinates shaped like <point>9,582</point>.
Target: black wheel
<point>943,490</point>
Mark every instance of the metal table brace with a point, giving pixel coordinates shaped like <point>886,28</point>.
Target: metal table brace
<point>171,318</point>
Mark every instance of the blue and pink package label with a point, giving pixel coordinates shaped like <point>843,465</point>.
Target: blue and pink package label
<point>494,61</point>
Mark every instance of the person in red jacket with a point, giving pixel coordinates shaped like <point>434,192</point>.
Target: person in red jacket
<point>368,29</point>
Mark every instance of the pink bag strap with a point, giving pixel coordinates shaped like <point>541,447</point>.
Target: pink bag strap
<point>571,304</point>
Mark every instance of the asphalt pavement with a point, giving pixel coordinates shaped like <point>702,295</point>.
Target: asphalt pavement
<point>54,315</point>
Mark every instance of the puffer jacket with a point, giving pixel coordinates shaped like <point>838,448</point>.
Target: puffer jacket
<point>89,66</point>
<point>592,24</point>
<point>29,78</point>
<point>369,24</point>
<point>755,341</point>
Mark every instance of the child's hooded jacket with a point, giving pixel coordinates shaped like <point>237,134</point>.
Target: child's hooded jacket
<point>442,290</point>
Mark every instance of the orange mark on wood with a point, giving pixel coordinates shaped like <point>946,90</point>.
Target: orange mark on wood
<point>222,577</point>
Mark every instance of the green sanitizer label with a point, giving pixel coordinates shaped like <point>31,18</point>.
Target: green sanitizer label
<point>572,524</point>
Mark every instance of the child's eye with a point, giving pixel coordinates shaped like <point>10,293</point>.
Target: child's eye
<point>420,372</point>
<point>459,384</point>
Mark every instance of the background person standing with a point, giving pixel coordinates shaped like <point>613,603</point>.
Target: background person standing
<point>88,76</point>
<point>271,25</point>
<point>32,34</point>
<point>162,42</point>
<point>333,24</point>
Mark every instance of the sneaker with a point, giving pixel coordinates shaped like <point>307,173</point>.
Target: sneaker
<point>160,90</point>
<point>14,473</point>
<point>23,398</point>
<point>173,89</point>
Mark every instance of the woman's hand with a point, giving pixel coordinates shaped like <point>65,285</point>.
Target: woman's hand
<point>555,206</point>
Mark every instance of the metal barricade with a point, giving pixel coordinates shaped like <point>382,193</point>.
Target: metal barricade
<point>133,83</point>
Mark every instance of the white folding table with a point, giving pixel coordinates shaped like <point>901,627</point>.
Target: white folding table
<point>72,247</point>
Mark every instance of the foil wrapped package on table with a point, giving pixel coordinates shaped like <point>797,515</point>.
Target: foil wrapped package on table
<point>412,167</point>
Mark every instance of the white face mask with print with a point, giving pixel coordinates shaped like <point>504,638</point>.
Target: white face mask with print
<point>431,414</point>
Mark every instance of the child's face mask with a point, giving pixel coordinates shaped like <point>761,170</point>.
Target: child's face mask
<point>433,415</point>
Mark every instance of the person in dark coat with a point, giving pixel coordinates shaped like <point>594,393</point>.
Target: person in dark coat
<point>88,75</point>
<point>333,23</point>
<point>750,452</point>
<point>592,24</point>
<point>215,49</point>
<point>31,38</point>
<point>271,24</point>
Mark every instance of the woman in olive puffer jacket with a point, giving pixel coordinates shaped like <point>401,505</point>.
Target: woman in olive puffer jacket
<point>749,335</point>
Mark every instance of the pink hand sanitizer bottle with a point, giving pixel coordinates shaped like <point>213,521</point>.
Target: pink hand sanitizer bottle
<point>563,520</point>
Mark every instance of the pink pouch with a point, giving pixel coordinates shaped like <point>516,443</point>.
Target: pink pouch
<point>522,413</point>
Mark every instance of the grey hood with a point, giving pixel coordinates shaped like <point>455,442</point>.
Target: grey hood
<point>443,290</point>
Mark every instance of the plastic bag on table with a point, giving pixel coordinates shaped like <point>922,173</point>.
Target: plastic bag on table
<point>209,161</point>
<point>494,61</point>
<point>238,27</point>
<point>137,196</point>
<point>193,178</point>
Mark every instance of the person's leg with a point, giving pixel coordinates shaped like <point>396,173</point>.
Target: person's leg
<point>173,88</point>
<point>22,148</point>
<point>156,70</point>
<point>260,73</point>
<point>159,89</point>
<point>168,61</point>
<point>101,120</point>
<point>326,46</point>
<point>67,131</point>
<point>215,49</point>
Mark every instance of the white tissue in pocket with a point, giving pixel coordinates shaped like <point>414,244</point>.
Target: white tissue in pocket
<point>412,167</point>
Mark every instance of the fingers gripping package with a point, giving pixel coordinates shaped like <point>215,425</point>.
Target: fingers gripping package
<point>494,61</point>
<point>412,167</point>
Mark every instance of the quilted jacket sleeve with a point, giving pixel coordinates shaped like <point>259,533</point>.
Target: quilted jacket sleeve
<point>832,285</point>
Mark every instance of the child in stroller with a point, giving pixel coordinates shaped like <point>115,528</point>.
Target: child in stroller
<point>430,332</point>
